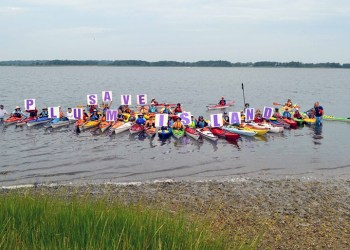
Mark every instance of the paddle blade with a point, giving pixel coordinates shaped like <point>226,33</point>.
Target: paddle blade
<point>276,104</point>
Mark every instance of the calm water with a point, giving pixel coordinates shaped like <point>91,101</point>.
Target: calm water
<point>44,156</point>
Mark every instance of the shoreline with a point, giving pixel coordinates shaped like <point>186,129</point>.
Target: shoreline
<point>290,213</point>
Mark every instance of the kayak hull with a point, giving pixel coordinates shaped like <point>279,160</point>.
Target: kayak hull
<point>38,121</point>
<point>224,134</point>
<point>164,134</point>
<point>124,127</point>
<point>136,128</point>
<point>206,133</point>
<point>178,133</point>
<point>239,131</point>
<point>192,132</point>
<point>217,106</point>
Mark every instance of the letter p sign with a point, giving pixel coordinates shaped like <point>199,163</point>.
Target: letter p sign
<point>29,104</point>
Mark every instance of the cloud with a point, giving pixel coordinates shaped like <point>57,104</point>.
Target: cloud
<point>10,10</point>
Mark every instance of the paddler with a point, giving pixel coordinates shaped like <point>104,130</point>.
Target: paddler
<point>70,114</point>
<point>178,109</point>
<point>286,113</point>
<point>193,122</point>
<point>276,114</point>
<point>152,108</point>
<point>33,113</point>
<point>178,124</point>
<point>166,109</point>
<point>154,102</point>
<point>140,120</point>
<point>120,116</point>
<point>95,116</point>
<point>297,114</point>
<point>222,102</point>
<point>289,103</point>
<point>318,113</point>
<point>258,116</point>
<point>3,112</point>
<point>143,110</point>
<point>225,119</point>
<point>150,123</point>
<point>44,113</point>
<point>201,123</point>
<point>18,113</point>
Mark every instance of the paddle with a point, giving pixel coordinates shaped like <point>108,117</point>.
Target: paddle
<point>243,95</point>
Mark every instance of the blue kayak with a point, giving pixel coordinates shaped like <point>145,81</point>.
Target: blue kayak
<point>37,121</point>
<point>164,133</point>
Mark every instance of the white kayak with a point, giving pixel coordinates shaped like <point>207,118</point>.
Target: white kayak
<point>126,126</point>
<point>61,123</point>
<point>239,131</point>
<point>218,106</point>
<point>272,128</point>
<point>206,133</point>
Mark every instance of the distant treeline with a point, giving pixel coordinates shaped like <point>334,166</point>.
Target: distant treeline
<point>170,63</point>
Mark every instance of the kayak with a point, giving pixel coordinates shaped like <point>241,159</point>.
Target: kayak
<point>280,123</point>
<point>38,121</point>
<point>239,131</point>
<point>24,122</point>
<point>192,132</point>
<point>164,133</point>
<point>218,106</point>
<point>116,125</point>
<point>151,131</point>
<point>49,125</point>
<point>90,124</point>
<point>206,133</point>
<point>136,128</point>
<point>61,123</point>
<point>123,127</point>
<point>334,118</point>
<point>310,120</point>
<point>225,134</point>
<point>178,133</point>
<point>259,131</point>
<point>299,121</point>
<point>293,124</point>
<point>104,125</point>
<point>271,127</point>
<point>12,120</point>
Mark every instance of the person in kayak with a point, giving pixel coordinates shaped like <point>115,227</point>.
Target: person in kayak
<point>143,110</point>
<point>178,109</point>
<point>286,113</point>
<point>44,113</point>
<point>318,113</point>
<point>276,114</point>
<point>33,113</point>
<point>246,105</point>
<point>225,119</point>
<point>289,103</point>
<point>201,123</point>
<point>297,114</point>
<point>150,123</point>
<point>178,124</point>
<point>18,113</point>
<point>95,116</point>
<point>120,116</point>
<point>258,116</point>
<point>154,102</point>
<point>222,102</point>
<point>70,114</point>
<point>166,110</point>
<point>193,122</point>
<point>152,108</point>
<point>3,112</point>
<point>140,120</point>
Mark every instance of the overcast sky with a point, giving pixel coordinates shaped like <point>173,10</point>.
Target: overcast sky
<point>181,30</point>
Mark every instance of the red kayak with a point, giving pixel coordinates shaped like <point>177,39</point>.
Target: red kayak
<point>136,128</point>
<point>224,134</point>
<point>192,132</point>
<point>292,123</point>
<point>12,120</point>
<point>24,122</point>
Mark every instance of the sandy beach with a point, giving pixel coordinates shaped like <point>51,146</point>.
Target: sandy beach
<point>288,214</point>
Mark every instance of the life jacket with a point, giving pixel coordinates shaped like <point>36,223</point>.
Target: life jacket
<point>44,114</point>
<point>152,109</point>
<point>143,111</point>
<point>17,114</point>
<point>178,125</point>
<point>140,121</point>
<point>226,119</point>
<point>178,110</point>
<point>33,113</point>
<point>297,115</point>
<point>201,124</point>
<point>286,114</point>
<point>120,116</point>
<point>192,124</point>
<point>151,125</point>
<point>222,102</point>
<point>94,117</point>
<point>166,111</point>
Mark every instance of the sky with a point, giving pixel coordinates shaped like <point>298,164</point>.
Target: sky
<point>308,31</point>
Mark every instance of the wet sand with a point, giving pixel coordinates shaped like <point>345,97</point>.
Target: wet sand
<point>288,214</point>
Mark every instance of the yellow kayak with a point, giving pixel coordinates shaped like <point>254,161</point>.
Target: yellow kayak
<point>258,131</point>
<point>310,120</point>
<point>90,124</point>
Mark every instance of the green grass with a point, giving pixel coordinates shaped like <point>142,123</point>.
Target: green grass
<point>45,222</point>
